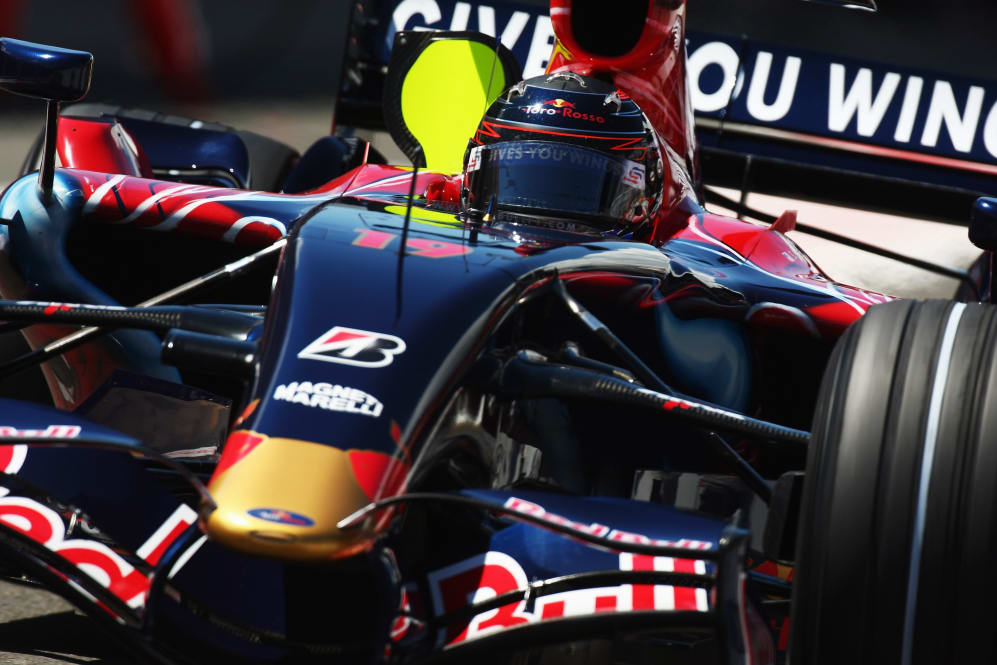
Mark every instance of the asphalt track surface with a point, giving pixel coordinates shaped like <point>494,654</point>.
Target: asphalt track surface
<point>39,628</point>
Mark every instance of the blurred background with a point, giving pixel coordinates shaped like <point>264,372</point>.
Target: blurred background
<point>254,64</point>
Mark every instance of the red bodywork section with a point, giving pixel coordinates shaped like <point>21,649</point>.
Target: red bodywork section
<point>771,251</point>
<point>97,145</point>
<point>168,206</point>
<point>653,73</point>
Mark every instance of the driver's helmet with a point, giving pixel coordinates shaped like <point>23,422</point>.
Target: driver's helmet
<point>563,151</point>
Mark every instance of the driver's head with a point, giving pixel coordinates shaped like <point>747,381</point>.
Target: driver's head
<point>563,151</point>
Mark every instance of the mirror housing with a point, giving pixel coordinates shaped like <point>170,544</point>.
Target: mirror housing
<point>983,223</point>
<point>50,73</point>
<point>44,72</point>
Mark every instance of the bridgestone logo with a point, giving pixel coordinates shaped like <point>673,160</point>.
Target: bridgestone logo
<point>330,397</point>
<point>351,346</point>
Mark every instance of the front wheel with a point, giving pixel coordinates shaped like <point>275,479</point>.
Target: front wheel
<point>898,530</point>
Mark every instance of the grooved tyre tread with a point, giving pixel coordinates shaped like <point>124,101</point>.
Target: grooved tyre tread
<point>871,437</point>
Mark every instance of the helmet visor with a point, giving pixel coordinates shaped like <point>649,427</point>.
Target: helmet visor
<point>557,178</point>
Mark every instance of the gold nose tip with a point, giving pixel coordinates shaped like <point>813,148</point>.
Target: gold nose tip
<point>283,498</point>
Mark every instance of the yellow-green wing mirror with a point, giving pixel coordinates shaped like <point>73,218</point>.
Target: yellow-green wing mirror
<point>437,89</point>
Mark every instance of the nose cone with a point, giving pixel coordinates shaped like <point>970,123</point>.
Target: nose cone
<point>282,498</point>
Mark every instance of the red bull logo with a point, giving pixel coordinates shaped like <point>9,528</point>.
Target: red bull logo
<point>559,103</point>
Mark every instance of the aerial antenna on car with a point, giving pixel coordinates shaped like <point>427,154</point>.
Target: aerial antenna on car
<point>417,160</point>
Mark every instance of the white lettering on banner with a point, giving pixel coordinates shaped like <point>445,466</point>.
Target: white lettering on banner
<point>712,53</point>
<point>429,12</point>
<point>486,20</point>
<point>943,109</point>
<point>908,112</point>
<point>841,107</point>
<point>461,12</point>
<point>990,131</point>
<point>513,29</point>
<point>540,48</point>
<point>759,82</point>
<point>408,9</point>
<point>961,126</point>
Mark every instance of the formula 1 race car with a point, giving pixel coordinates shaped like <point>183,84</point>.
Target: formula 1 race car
<point>523,401</point>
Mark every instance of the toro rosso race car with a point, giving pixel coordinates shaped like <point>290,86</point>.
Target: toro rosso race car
<point>526,400</point>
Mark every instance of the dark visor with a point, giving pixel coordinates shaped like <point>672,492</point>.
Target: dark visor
<point>562,179</point>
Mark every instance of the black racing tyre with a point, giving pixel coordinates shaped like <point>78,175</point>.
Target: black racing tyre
<point>898,529</point>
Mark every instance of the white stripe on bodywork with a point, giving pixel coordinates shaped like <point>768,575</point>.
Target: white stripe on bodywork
<point>392,180</point>
<point>927,462</point>
<point>98,194</point>
<point>155,198</point>
<point>240,224</point>
<point>183,514</point>
<point>178,216</point>
<point>185,557</point>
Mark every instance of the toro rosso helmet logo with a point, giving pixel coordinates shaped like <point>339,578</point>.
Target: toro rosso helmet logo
<point>350,346</point>
<point>560,107</point>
